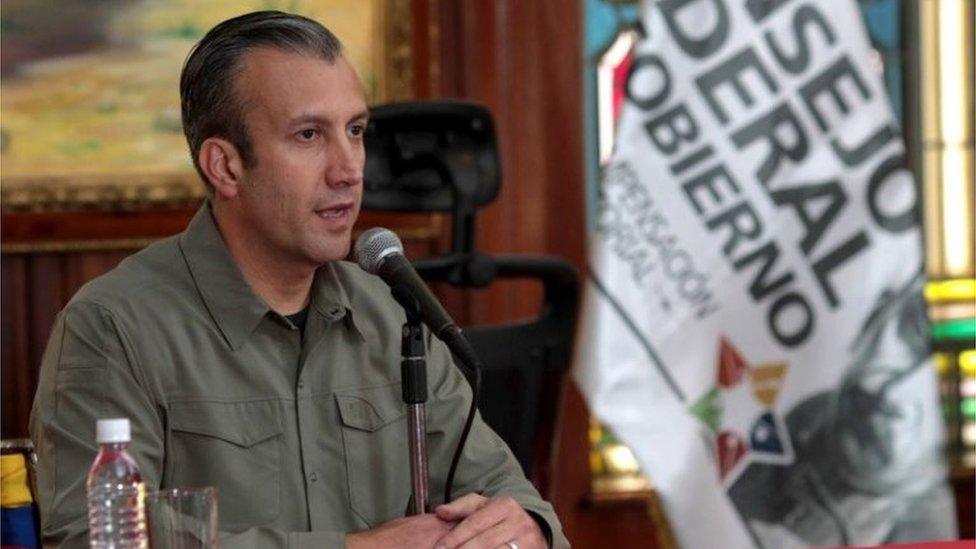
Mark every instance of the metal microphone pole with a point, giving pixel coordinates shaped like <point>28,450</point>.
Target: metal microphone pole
<point>413,376</point>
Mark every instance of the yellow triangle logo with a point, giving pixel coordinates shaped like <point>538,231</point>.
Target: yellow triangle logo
<point>766,380</point>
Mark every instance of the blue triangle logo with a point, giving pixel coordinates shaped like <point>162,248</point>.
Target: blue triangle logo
<point>764,436</point>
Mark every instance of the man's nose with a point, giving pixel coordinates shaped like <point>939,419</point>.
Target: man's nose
<point>346,161</point>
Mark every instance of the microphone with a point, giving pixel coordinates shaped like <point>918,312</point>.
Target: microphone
<point>380,252</point>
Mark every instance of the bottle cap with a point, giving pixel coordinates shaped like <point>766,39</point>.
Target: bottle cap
<point>112,430</point>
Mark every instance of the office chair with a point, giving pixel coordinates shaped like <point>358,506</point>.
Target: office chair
<point>442,156</point>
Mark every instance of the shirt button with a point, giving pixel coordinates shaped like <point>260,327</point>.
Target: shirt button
<point>301,384</point>
<point>313,477</point>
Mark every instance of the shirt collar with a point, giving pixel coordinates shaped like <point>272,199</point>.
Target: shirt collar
<point>235,308</point>
<point>330,299</point>
<point>328,296</point>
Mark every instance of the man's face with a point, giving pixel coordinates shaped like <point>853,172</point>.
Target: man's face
<point>305,118</point>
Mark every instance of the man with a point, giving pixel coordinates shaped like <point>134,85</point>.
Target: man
<point>248,356</point>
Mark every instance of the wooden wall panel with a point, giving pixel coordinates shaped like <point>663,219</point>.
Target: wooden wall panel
<point>45,298</point>
<point>48,228</point>
<point>18,378</point>
<point>35,288</point>
<point>561,109</point>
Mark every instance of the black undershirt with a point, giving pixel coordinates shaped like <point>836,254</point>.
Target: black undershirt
<point>298,319</point>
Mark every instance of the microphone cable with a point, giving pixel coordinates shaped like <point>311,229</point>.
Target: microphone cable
<point>475,381</point>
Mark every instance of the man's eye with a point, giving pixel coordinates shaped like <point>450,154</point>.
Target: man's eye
<point>356,130</point>
<point>308,135</point>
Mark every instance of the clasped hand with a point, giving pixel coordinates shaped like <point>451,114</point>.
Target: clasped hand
<point>470,522</point>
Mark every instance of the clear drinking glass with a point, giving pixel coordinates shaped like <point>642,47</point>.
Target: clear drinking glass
<point>182,518</point>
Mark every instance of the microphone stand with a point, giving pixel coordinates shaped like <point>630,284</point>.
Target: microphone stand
<point>413,375</point>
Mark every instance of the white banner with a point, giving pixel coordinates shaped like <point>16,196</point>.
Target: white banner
<point>754,325</point>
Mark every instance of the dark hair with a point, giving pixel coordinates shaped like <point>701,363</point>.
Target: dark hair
<point>208,103</point>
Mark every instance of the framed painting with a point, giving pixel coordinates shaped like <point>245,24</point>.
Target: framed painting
<point>89,97</point>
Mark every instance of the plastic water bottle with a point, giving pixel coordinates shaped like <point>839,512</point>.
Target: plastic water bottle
<point>116,494</point>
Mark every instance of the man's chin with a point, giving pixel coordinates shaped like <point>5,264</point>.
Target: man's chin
<point>333,251</point>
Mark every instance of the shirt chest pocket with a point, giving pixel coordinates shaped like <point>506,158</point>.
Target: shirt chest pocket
<point>374,437</point>
<point>235,446</point>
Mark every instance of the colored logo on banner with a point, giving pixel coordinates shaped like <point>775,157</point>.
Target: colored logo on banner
<point>740,411</point>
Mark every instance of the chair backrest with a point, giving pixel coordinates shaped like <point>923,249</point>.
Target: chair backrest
<point>524,362</point>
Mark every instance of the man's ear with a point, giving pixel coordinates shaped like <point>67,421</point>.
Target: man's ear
<point>222,164</point>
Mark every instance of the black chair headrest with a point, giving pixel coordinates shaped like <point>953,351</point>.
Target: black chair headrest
<point>428,156</point>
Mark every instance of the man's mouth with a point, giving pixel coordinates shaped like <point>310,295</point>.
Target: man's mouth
<point>336,211</point>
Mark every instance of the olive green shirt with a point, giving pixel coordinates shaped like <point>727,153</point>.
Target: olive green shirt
<point>305,439</point>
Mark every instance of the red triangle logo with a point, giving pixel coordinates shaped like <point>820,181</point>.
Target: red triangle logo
<point>731,366</point>
<point>731,448</point>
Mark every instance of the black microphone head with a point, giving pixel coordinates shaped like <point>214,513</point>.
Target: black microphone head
<point>375,245</point>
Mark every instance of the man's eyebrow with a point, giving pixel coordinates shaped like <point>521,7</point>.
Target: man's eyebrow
<point>305,118</point>
<point>317,119</point>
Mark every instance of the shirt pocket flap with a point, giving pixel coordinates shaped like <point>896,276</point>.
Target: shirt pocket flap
<point>241,423</point>
<point>371,409</point>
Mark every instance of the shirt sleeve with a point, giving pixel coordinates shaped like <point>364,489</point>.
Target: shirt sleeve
<point>87,373</point>
<point>487,466</point>
<point>269,537</point>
